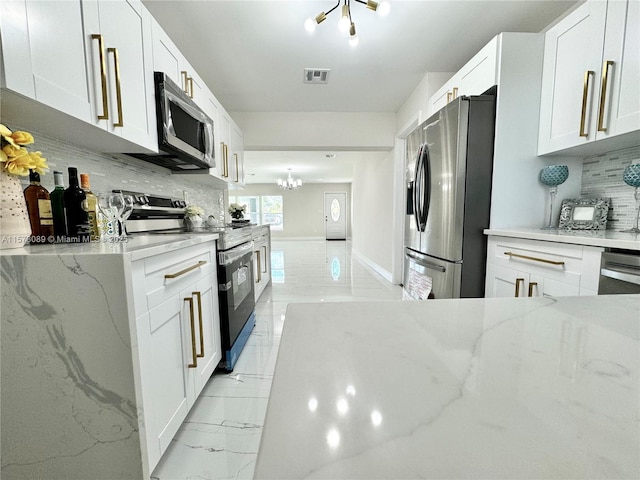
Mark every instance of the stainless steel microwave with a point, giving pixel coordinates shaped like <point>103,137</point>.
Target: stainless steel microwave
<point>185,133</point>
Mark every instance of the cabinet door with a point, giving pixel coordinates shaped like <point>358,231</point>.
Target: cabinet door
<point>505,282</point>
<point>126,27</point>
<point>621,112</point>
<point>224,143</point>
<point>166,56</point>
<point>479,74</point>
<point>170,391</point>
<point>43,53</point>
<point>540,286</point>
<point>570,78</point>
<point>205,295</point>
<point>212,109</point>
<point>236,158</point>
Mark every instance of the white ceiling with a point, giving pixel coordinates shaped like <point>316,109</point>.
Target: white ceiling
<point>252,54</point>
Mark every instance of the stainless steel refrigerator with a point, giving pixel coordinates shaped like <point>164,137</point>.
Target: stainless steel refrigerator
<point>448,173</point>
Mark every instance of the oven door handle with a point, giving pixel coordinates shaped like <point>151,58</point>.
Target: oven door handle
<point>230,256</point>
<point>618,275</point>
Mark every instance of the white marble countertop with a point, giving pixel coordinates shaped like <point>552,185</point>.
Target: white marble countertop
<point>479,388</point>
<point>137,246</point>
<point>597,238</point>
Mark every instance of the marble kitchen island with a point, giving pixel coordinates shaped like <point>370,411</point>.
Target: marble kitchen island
<point>480,388</point>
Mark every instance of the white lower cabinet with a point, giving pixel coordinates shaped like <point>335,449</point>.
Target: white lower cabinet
<point>531,268</point>
<point>261,259</point>
<point>178,336</point>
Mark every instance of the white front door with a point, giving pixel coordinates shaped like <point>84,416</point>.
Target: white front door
<point>335,215</point>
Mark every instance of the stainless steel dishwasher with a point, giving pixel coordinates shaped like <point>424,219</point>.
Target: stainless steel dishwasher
<point>619,273</point>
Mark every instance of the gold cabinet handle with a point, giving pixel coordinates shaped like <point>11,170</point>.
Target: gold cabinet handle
<point>185,81</point>
<point>265,259</point>
<point>454,93</point>
<point>259,279</point>
<point>535,259</point>
<point>186,270</point>
<point>199,297</point>
<point>103,77</point>
<point>603,95</point>
<point>449,96</point>
<point>194,355</point>
<point>585,97</point>
<point>237,168</point>
<point>191,87</point>
<point>518,281</point>
<point>226,160</point>
<point>116,66</point>
<point>531,285</point>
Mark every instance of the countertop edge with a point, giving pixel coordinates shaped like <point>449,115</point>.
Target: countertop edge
<point>605,239</point>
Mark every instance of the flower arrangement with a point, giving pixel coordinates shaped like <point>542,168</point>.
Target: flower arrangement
<point>236,210</point>
<point>14,156</point>
<point>194,211</point>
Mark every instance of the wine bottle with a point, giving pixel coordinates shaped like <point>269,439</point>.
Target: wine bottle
<point>57,207</point>
<point>39,208</point>
<point>76,210</point>
<point>92,207</point>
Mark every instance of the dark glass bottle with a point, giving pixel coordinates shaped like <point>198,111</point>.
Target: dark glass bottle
<point>57,207</point>
<point>39,208</point>
<point>75,210</point>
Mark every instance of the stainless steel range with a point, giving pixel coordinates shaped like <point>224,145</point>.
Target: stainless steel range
<point>156,215</point>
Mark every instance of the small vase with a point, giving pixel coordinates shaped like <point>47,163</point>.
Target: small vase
<point>237,215</point>
<point>15,228</point>
<point>194,222</point>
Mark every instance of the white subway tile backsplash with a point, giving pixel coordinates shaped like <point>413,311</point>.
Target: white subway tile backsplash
<point>602,177</point>
<point>109,171</point>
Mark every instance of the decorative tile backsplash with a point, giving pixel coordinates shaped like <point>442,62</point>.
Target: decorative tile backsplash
<point>114,171</point>
<point>602,177</point>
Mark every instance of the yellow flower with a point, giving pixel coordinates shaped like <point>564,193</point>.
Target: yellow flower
<point>3,156</point>
<point>38,162</point>
<point>19,165</point>
<point>13,151</point>
<point>22,138</point>
<point>4,131</point>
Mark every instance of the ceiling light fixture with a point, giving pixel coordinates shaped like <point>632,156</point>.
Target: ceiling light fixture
<point>346,24</point>
<point>289,183</point>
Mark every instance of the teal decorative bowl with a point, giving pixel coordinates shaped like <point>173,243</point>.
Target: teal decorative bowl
<point>554,175</point>
<point>631,175</point>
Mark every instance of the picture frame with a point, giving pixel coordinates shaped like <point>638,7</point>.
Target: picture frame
<point>584,213</point>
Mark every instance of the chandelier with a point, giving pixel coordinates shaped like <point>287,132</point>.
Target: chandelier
<point>345,24</point>
<point>289,183</point>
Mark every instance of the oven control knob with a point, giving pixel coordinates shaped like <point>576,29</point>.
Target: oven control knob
<point>143,200</point>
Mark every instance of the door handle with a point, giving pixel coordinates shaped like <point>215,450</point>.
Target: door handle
<point>424,263</point>
<point>103,78</point>
<point>194,354</point>
<point>199,297</point>
<point>603,95</point>
<point>617,275</point>
<point>116,66</point>
<point>585,97</point>
<point>518,280</point>
<point>531,285</point>
<point>265,259</point>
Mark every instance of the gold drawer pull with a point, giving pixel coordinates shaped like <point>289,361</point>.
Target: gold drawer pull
<point>531,285</point>
<point>518,280</point>
<point>194,355</point>
<point>116,70</point>
<point>199,297</point>
<point>188,269</point>
<point>535,259</point>
<point>237,168</point>
<point>603,95</point>
<point>454,93</point>
<point>585,97</point>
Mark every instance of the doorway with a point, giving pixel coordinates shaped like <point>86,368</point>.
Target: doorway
<point>335,215</point>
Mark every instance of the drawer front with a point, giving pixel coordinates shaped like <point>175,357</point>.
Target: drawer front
<point>158,277</point>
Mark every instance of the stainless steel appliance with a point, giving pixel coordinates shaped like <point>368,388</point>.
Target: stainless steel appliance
<point>449,169</point>
<point>619,272</point>
<point>185,133</point>
<point>155,214</point>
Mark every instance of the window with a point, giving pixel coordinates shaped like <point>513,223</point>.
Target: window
<point>263,209</point>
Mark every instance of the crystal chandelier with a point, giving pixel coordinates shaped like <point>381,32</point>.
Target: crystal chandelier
<point>289,183</point>
<point>345,24</point>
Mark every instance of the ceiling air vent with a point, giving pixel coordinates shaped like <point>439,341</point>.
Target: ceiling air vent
<point>316,75</point>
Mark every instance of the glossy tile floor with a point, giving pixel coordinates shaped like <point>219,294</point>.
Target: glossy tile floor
<point>220,437</point>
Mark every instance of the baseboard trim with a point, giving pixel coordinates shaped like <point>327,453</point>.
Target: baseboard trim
<point>372,265</point>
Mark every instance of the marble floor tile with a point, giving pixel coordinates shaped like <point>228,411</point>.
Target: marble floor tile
<point>221,435</point>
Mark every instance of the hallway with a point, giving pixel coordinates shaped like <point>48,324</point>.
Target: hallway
<point>220,437</point>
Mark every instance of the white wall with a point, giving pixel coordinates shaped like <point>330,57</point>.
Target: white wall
<point>417,104</point>
<point>303,209</point>
<point>372,192</point>
<point>316,130</point>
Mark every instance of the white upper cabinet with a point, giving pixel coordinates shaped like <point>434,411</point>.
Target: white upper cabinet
<point>43,53</point>
<point>89,59</point>
<point>591,80</point>
<point>236,156</point>
<point>474,78</point>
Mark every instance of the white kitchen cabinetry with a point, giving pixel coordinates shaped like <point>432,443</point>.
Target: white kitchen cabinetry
<point>109,85</point>
<point>261,258</point>
<point>474,78</point>
<point>237,156</point>
<point>591,76</point>
<point>178,329</point>
<point>526,268</point>
<point>231,151</point>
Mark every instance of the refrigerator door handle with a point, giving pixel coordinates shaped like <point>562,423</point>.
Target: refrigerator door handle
<point>426,172</point>
<point>423,263</point>
<point>416,192</point>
